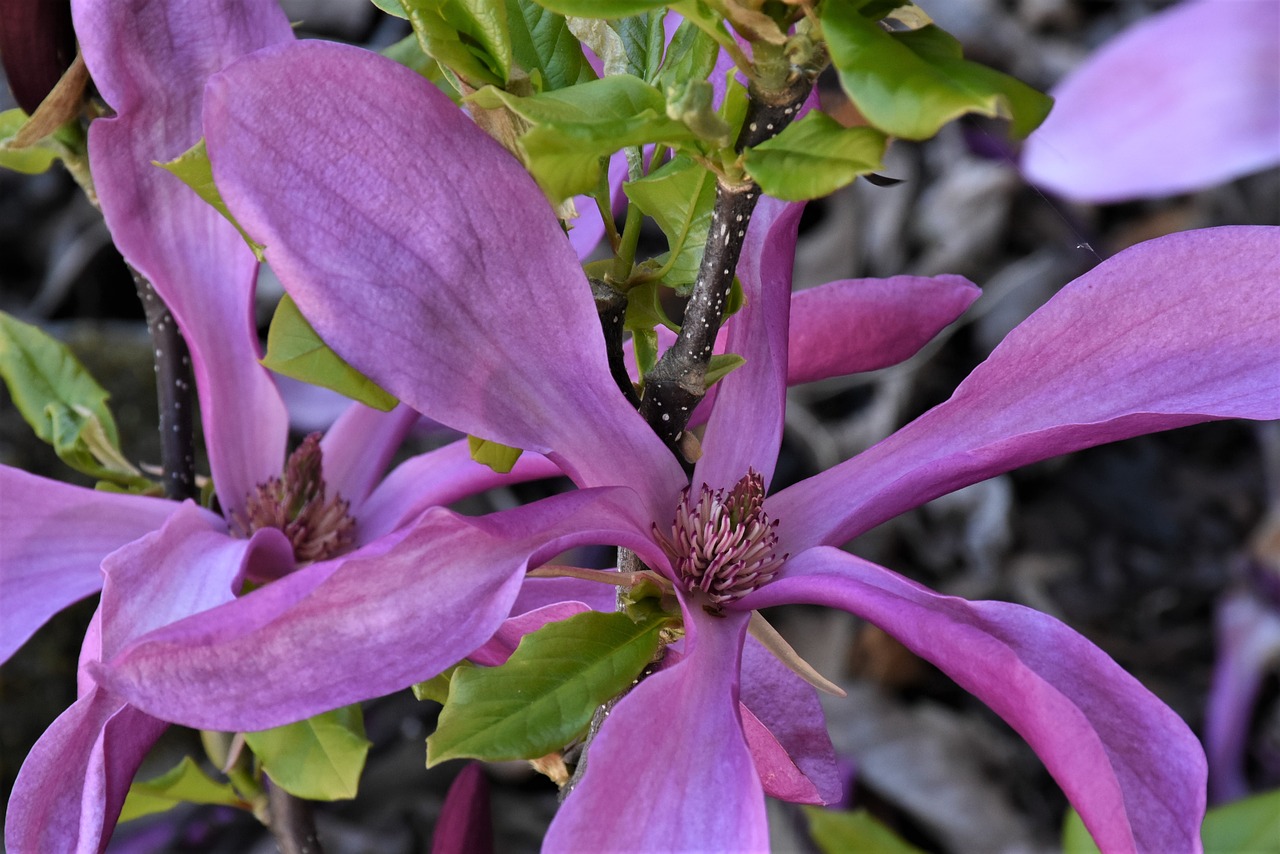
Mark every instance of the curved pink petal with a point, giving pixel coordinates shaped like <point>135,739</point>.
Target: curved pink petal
<point>540,592</point>
<point>857,325</point>
<point>669,770</point>
<point>73,783</point>
<point>437,269</point>
<point>1128,764</point>
<point>786,731</point>
<point>433,479</point>
<point>378,620</point>
<point>153,76</point>
<point>1174,331</point>
<point>745,428</point>
<point>586,230</point>
<point>465,825</point>
<point>1186,99</point>
<point>359,446</point>
<point>189,565</point>
<point>1248,646</point>
<point>55,537</point>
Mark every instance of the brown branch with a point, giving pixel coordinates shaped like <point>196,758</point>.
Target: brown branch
<point>292,822</point>
<point>173,394</point>
<point>676,384</point>
<point>611,305</point>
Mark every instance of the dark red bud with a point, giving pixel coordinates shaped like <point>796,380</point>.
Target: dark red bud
<point>37,44</point>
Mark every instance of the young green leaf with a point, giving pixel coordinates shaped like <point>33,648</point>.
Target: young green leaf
<point>601,8</point>
<point>691,55</point>
<point>643,42</point>
<point>319,759</point>
<point>437,687</point>
<point>814,157</point>
<point>186,782</point>
<point>63,404</point>
<point>839,832</point>
<point>183,783</point>
<point>392,7</point>
<point>544,695</point>
<point>30,160</point>
<point>500,458</point>
<point>679,197</point>
<point>295,350</point>
<point>720,366</point>
<point>541,41</point>
<point>192,168</point>
<point>468,36</point>
<point>575,127</point>
<point>910,84</point>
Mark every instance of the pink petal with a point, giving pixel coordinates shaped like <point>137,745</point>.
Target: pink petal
<point>1128,764</point>
<point>1174,331</point>
<point>1186,99</point>
<point>1248,647</point>
<point>438,270</point>
<point>465,825</point>
<point>434,479</point>
<point>669,770</point>
<point>55,537</point>
<point>857,325</point>
<point>153,77</point>
<point>74,781</point>
<point>378,620</point>
<point>359,446</point>
<point>190,565</point>
<point>786,731</point>
<point>745,429</point>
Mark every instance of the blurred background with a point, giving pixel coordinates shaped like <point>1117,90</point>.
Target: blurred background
<point>1135,545</point>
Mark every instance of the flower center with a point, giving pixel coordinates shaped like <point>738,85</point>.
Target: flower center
<point>317,527</point>
<point>723,545</point>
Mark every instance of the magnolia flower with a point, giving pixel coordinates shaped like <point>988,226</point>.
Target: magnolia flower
<point>1188,98</point>
<point>157,561</point>
<point>460,296</point>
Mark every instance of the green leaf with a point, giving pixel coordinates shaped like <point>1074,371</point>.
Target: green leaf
<point>192,168</point>
<point>545,694</point>
<point>31,160</point>
<point>392,7</point>
<point>184,783</point>
<point>319,759</point>
<point>910,84</point>
<point>541,41</point>
<point>691,55</point>
<point>720,366</point>
<point>500,458</point>
<point>63,404</point>
<point>841,832</point>
<point>467,36</point>
<point>643,42</point>
<point>601,8</point>
<point>814,157</point>
<point>575,127</point>
<point>679,197</point>
<point>295,350</point>
<point>437,687</point>
<point>408,52</point>
<point>1249,825</point>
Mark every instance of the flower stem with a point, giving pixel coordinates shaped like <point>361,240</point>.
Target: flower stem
<point>292,822</point>
<point>173,393</point>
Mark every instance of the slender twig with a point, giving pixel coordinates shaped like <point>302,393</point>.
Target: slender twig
<point>173,393</point>
<point>612,308</point>
<point>676,384</point>
<point>292,822</point>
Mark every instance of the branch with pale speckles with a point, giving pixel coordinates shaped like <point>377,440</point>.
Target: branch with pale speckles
<point>173,393</point>
<point>678,381</point>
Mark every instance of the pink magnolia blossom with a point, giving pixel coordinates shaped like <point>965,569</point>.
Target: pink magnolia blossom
<point>1186,99</point>
<point>437,269</point>
<point>157,560</point>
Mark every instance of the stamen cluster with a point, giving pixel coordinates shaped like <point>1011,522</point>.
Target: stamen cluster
<point>296,504</point>
<point>724,545</point>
